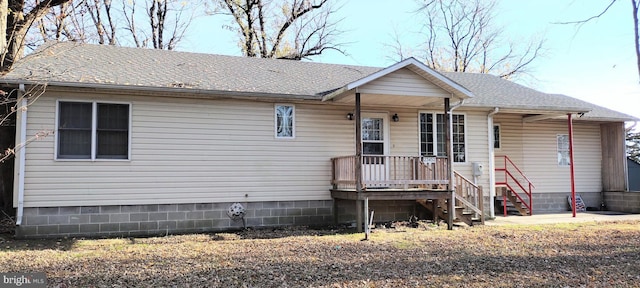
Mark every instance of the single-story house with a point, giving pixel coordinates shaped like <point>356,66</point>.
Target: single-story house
<point>151,141</point>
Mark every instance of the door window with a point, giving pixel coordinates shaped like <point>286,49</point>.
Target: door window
<point>373,136</point>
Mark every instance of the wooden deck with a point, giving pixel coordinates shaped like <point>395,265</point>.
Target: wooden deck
<point>426,180</point>
<point>391,194</point>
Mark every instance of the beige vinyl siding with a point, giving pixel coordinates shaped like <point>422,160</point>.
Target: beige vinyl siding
<point>510,139</point>
<point>541,160</point>
<point>404,133</point>
<point>403,82</point>
<point>476,145</point>
<point>187,150</point>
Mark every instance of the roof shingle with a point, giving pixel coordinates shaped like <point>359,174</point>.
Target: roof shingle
<point>87,64</point>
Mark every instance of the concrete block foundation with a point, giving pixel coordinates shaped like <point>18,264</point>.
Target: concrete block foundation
<point>626,202</point>
<point>139,220</point>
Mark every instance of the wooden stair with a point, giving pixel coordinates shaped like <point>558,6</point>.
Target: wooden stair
<point>514,205</point>
<point>438,208</point>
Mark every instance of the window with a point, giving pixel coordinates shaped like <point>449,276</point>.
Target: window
<point>496,137</point>
<point>373,136</point>
<point>563,150</point>
<point>285,115</point>
<point>91,130</point>
<point>433,137</point>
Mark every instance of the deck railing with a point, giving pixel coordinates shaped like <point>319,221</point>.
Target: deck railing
<point>395,172</point>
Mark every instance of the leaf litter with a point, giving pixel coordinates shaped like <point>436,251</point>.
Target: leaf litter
<point>578,255</point>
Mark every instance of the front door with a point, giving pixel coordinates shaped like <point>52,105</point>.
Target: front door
<point>375,142</point>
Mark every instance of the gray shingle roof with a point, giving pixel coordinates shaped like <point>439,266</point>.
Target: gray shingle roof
<point>492,91</point>
<point>100,64</point>
<point>67,63</point>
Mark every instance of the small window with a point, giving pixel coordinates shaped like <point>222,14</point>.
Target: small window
<point>563,150</point>
<point>496,137</point>
<point>90,130</point>
<point>285,122</point>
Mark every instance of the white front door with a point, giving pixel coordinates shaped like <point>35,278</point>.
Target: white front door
<point>375,141</point>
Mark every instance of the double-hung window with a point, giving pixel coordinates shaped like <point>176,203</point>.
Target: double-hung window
<point>92,130</point>
<point>433,136</point>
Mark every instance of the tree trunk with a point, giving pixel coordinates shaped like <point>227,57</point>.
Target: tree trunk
<point>4,13</point>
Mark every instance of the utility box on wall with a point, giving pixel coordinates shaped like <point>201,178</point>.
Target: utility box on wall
<point>477,169</point>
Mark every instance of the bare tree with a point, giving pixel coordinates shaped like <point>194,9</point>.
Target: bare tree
<point>16,18</point>
<point>635,7</point>
<point>167,20</point>
<point>11,103</point>
<point>159,24</point>
<point>461,36</point>
<point>286,29</point>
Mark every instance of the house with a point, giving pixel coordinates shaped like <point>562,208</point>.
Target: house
<point>150,141</point>
<point>634,174</point>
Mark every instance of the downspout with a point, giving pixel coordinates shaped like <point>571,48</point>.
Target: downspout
<point>452,206</point>
<point>22,114</point>
<point>492,163</point>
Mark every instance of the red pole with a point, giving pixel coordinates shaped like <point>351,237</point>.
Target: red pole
<point>573,180</point>
<point>530,200</point>
<point>504,190</point>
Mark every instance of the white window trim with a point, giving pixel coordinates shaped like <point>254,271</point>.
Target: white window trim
<point>275,121</point>
<point>558,151</point>
<point>386,141</point>
<point>435,136</point>
<point>94,114</point>
<point>493,137</point>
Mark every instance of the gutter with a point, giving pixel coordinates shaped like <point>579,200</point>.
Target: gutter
<point>21,153</point>
<point>169,90</point>
<point>492,164</point>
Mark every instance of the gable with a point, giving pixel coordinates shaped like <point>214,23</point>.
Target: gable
<point>403,82</point>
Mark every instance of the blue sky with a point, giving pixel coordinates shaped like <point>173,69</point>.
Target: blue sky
<point>595,63</point>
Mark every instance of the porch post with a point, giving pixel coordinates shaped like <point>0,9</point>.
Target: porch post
<point>573,184</point>
<point>448,123</point>
<point>358,169</point>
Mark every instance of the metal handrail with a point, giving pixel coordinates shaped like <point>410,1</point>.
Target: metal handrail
<point>508,175</point>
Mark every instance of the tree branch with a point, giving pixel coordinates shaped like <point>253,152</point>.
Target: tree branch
<point>590,18</point>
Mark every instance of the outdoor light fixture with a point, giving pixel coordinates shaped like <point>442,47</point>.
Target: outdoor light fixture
<point>395,117</point>
<point>350,116</point>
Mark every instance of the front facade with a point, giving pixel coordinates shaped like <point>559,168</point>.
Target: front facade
<point>132,159</point>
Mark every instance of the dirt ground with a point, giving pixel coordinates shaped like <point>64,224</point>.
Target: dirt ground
<point>590,254</point>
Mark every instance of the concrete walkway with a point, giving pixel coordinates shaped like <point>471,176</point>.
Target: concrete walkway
<point>562,218</point>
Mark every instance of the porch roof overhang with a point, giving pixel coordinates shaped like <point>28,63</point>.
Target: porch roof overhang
<point>399,98</point>
<point>549,113</point>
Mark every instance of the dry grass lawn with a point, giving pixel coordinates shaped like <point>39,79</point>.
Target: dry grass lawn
<point>565,255</point>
